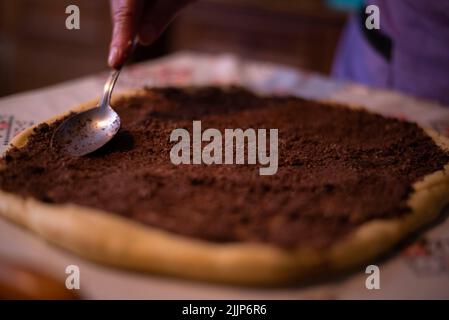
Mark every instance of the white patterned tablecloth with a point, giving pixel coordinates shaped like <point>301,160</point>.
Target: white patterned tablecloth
<point>417,270</point>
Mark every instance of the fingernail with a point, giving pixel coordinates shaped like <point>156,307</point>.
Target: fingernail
<point>113,57</point>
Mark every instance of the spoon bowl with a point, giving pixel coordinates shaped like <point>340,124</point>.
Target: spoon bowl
<point>89,130</point>
<point>86,131</point>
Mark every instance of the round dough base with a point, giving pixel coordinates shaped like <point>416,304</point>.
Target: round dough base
<point>110,239</point>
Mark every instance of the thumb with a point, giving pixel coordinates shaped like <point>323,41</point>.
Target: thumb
<point>157,16</point>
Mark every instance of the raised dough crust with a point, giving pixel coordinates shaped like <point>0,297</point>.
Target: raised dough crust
<point>117,241</point>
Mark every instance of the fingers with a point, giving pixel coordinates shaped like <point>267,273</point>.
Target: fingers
<point>144,18</point>
<point>126,16</point>
<point>158,14</point>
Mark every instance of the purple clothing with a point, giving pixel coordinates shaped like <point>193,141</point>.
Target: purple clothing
<point>419,64</point>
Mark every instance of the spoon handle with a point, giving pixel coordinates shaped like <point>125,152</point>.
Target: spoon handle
<point>109,85</point>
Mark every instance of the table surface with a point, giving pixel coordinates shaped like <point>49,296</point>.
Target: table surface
<point>417,270</point>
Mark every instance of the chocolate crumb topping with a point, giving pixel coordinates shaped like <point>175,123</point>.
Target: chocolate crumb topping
<point>338,168</point>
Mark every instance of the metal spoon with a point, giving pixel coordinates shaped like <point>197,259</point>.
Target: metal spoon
<point>89,130</point>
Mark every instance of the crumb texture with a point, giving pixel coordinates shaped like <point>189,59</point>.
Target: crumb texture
<point>338,168</point>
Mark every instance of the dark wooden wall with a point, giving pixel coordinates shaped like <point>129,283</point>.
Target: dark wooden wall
<point>37,50</point>
<point>302,33</point>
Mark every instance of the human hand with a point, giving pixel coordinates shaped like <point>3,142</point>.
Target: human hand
<point>145,19</point>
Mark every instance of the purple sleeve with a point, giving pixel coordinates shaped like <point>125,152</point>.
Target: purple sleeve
<point>419,63</point>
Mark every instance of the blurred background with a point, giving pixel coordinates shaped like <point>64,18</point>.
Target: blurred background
<point>37,50</point>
